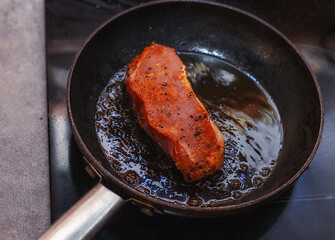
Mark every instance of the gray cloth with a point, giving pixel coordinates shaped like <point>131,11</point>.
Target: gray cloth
<point>24,168</point>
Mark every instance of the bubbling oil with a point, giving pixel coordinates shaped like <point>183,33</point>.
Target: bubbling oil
<point>245,114</point>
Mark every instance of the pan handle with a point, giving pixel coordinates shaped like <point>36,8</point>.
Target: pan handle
<point>87,216</point>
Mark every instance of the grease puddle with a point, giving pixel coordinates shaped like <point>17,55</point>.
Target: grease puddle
<point>237,104</point>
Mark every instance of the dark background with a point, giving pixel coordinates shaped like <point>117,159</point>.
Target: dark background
<point>305,211</point>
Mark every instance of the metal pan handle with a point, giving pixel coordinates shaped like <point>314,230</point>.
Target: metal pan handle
<point>86,217</point>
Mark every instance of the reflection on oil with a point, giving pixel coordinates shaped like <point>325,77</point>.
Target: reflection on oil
<point>244,113</point>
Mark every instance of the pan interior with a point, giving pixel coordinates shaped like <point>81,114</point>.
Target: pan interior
<point>244,45</point>
<point>245,114</point>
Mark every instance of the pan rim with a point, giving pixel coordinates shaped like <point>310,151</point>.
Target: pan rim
<point>160,202</point>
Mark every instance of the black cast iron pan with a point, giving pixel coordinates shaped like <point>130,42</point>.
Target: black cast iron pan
<point>242,40</point>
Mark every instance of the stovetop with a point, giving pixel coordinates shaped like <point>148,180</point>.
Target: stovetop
<point>305,211</point>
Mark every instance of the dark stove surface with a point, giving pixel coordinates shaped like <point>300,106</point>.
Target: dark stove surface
<point>305,211</point>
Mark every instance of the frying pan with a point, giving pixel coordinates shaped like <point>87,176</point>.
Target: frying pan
<point>237,37</point>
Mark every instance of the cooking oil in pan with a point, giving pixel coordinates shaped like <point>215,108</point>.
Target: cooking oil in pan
<point>245,114</point>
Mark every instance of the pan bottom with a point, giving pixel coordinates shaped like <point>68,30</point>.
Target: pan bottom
<point>244,112</point>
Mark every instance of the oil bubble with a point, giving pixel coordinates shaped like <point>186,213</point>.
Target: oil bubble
<point>143,190</point>
<point>235,184</point>
<point>265,171</point>
<point>131,177</point>
<point>194,201</point>
<point>237,194</point>
<point>257,181</point>
<point>116,166</point>
<point>273,162</point>
<point>244,167</point>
